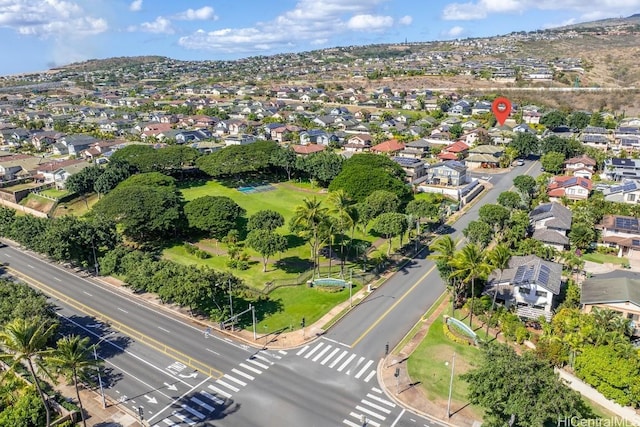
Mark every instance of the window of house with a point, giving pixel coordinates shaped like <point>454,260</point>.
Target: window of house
<point>523,290</point>
<point>631,197</point>
<point>541,294</point>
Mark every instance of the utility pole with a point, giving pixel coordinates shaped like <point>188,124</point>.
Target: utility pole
<point>231,306</point>
<point>453,365</point>
<point>253,315</point>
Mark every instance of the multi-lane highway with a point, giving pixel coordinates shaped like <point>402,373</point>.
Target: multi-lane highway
<point>181,375</point>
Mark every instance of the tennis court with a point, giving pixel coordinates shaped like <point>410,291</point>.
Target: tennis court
<point>256,188</point>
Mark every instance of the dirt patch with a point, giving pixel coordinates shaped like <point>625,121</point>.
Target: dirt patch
<point>39,204</point>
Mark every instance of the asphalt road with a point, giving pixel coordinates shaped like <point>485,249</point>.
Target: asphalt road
<point>159,360</point>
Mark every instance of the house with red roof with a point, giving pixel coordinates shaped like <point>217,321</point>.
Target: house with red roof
<point>582,165</point>
<point>572,187</point>
<point>305,150</point>
<point>456,151</point>
<point>389,147</point>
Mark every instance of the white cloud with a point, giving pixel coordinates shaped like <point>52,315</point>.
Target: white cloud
<point>405,20</point>
<point>310,21</point>
<point>369,22</point>
<point>205,13</point>
<point>135,6</point>
<point>454,32</point>
<point>160,26</point>
<point>49,18</point>
<point>480,9</point>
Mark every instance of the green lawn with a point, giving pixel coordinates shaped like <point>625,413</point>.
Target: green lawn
<point>604,258</point>
<point>76,206</point>
<point>54,193</point>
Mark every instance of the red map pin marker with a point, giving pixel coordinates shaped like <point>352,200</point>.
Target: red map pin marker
<point>501,109</point>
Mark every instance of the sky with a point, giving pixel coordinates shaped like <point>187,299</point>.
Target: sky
<point>36,35</point>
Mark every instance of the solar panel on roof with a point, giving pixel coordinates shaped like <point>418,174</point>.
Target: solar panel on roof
<point>635,242</point>
<point>519,273</point>
<point>545,273</point>
<point>528,274</point>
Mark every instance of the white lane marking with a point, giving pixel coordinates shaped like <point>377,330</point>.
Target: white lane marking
<point>197,414</point>
<point>212,398</point>
<point>184,419</point>
<point>282,352</point>
<point>335,362</point>
<point>7,255</point>
<point>355,366</point>
<point>251,368</point>
<point>174,401</point>
<point>202,404</point>
<point>336,342</point>
<point>381,400</point>
<point>377,390</point>
<point>242,374</point>
<point>229,386</point>
<point>333,353</point>
<point>87,293</point>
<point>264,359</point>
<point>124,311</point>
<point>360,417</point>
<point>359,374</point>
<point>351,424</point>
<point>30,266</point>
<point>322,353</point>
<point>163,329</point>
<point>220,392</point>
<point>302,350</point>
<point>371,375</point>
<point>57,279</point>
<point>375,406</point>
<point>235,380</point>
<point>398,419</point>
<point>211,351</point>
<point>369,412</point>
<point>344,365</point>
<point>313,350</point>
<point>262,365</point>
<point>168,422</point>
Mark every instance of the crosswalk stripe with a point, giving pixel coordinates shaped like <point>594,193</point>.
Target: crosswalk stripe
<point>359,374</point>
<point>344,365</point>
<point>229,386</point>
<point>335,362</point>
<point>369,422</point>
<point>168,422</point>
<point>235,380</point>
<point>322,353</point>
<point>262,365</point>
<point>314,349</point>
<point>250,368</point>
<point>302,350</point>
<point>355,366</point>
<point>368,377</point>
<point>373,414</point>
<point>197,414</point>
<point>381,400</point>
<point>378,407</point>
<point>282,352</point>
<point>351,424</point>
<point>264,359</point>
<point>202,404</point>
<point>377,390</point>
<point>242,374</point>
<point>184,419</point>
<point>326,359</point>
<point>212,397</point>
<point>220,392</point>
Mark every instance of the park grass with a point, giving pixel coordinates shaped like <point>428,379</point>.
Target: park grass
<point>600,258</point>
<point>76,206</point>
<point>54,193</point>
<point>430,364</point>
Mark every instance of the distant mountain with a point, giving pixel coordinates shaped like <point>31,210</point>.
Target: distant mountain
<point>607,23</point>
<point>105,64</point>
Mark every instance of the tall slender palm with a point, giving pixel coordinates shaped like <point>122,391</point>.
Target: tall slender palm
<point>499,259</point>
<point>443,250</point>
<point>342,208</point>
<point>307,220</point>
<point>72,357</point>
<point>469,264</point>
<point>26,341</point>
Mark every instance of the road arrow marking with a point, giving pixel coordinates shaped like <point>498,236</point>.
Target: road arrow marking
<point>151,399</point>
<point>94,325</point>
<point>171,387</point>
<point>191,375</point>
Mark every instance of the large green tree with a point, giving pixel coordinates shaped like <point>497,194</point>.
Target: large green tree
<point>479,232</point>
<point>266,243</point>
<point>553,162</point>
<point>443,250</point>
<point>525,144</point>
<point>265,220</point>
<point>390,225</point>
<point>19,301</point>
<point>308,221</point>
<point>470,264</point>
<point>214,215</point>
<point>238,159</point>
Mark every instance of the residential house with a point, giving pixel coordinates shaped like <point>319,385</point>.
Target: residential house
<point>418,149</point>
<point>628,191</point>
<point>284,133</point>
<point>75,144</point>
<point>41,140</point>
<point>456,151</point>
<point>617,169</point>
<point>242,139</point>
<point>389,147</point>
<point>358,143</point>
<point>531,117</point>
<point>481,107</point>
<point>582,166</point>
<point>571,187</point>
<point>460,108</point>
<point>524,128</point>
<point>551,223</point>
<point>449,173</point>
<point>317,136</point>
<point>622,233</point>
<point>620,294</point>
<point>305,150</point>
<point>597,137</point>
<point>530,284</point>
<point>484,156</point>
<point>57,172</point>
<point>414,168</point>
<point>17,166</point>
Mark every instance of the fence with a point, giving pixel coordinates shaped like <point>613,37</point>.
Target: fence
<point>362,277</point>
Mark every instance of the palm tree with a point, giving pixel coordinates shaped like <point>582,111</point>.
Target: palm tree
<point>307,220</point>
<point>443,250</point>
<point>499,259</point>
<point>342,208</point>
<point>469,264</point>
<point>72,357</point>
<point>26,341</point>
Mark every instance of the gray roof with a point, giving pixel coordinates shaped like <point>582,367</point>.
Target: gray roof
<point>550,236</point>
<point>530,270</point>
<point>560,215</point>
<point>611,290</point>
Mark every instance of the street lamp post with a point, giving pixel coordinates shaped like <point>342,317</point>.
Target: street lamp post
<point>453,365</point>
<point>231,306</point>
<point>95,357</point>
